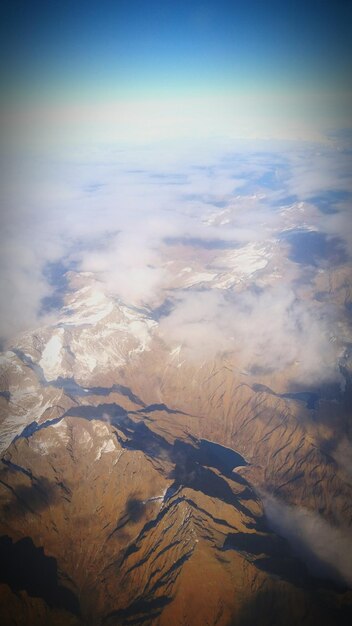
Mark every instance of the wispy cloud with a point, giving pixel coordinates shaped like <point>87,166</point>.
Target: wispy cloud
<point>270,330</point>
<point>325,549</point>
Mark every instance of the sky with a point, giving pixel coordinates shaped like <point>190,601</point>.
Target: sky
<point>146,69</point>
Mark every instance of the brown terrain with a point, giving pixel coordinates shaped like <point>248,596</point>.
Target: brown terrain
<point>131,489</point>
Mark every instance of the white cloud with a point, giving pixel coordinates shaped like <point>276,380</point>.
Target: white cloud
<point>109,209</point>
<point>327,550</point>
<point>271,330</point>
<point>343,455</point>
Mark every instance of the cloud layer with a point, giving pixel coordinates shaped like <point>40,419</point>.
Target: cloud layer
<point>113,211</point>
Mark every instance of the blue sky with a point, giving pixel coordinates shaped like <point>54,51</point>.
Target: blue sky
<point>117,47</point>
<point>178,65</point>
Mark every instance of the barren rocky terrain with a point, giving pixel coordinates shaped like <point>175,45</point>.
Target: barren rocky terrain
<point>133,477</point>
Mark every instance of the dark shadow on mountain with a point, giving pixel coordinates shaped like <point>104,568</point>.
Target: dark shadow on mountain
<point>284,201</point>
<point>189,473</point>
<point>328,201</point>
<point>315,248</point>
<point>33,366</point>
<point>140,611</point>
<point>147,441</point>
<point>206,198</point>
<point>274,555</point>
<point>26,568</point>
<point>71,387</point>
<point>309,398</point>
<point>134,511</point>
<point>277,606</point>
<point>295,544</point>
<point>138,435</point>
<point>197,242</point>
<point>107,411</point>
<point>160,407</point>
<point>210,454</point>
<point>33,498</point>
<point>55,273</point>
<point>269,553</point>
<point>163,310</point>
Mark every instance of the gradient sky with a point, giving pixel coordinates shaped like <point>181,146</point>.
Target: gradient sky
<point>62,53</point>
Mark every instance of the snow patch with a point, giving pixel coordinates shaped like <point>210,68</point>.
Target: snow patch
<point>176,351</point>
<point>85,439</point>
<point>106,447</point>
<point>200,277</point>
<point>242,263</point>
<point>88,306</point>
<point>50,361</point>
